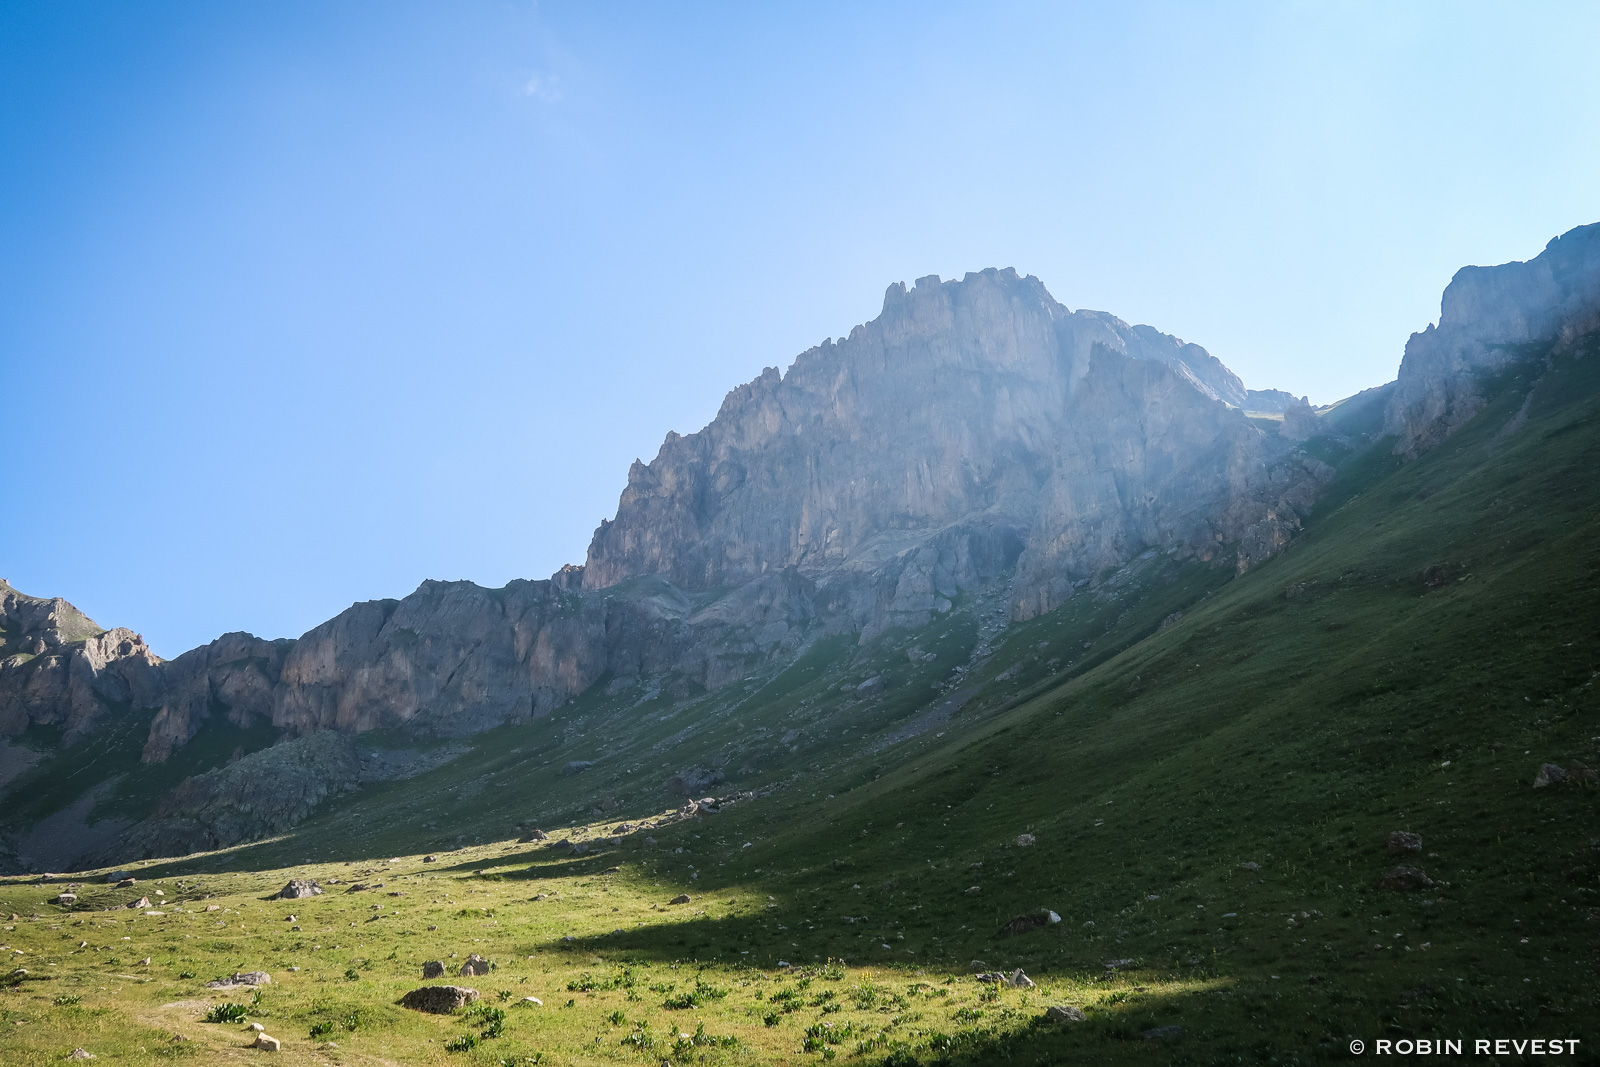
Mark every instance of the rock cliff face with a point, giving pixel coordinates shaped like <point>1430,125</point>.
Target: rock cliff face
<point>58,668</point>
<point>1488,318</point>
<point>974,430</point>
<point>977,436</point>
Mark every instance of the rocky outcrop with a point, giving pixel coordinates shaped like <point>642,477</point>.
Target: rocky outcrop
<point>974,431</point>
<point>58,668</point>
<point>1489,318</point>
<point>977,436</point>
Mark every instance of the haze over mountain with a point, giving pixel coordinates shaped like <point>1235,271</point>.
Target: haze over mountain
<point>977,439</point>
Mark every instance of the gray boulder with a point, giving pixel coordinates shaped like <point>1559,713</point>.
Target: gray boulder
<point>433,969</point>
<point>299,888</point>
<point>439,999</point>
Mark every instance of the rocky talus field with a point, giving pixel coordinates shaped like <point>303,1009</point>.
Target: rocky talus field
<point>1001,683</point>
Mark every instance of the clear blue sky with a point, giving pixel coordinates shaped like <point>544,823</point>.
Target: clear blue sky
<point>302,303</point>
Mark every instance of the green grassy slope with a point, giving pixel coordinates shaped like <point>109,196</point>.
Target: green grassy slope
<point>1209,795</point>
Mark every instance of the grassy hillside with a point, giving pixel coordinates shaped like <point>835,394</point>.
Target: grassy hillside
<point>1209,767</point>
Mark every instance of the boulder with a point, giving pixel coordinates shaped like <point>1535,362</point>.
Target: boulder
<point>142,902</point>
<point>433,969</point>
<point>1401,841</point>
<point>1017,980</point>
<point>1024,840</point>
<point>430,858</point>
<point>1548,774</point>
<point>533,835</point>
<point>1064,1013</point>
<point>1404,879</point>
<point>66,900</point>
<point>299,888</point>
<point>267,1043</point>
<point>681,898</point>
<point>475,965</point>
<point>80,1054</point>
<point>438,999</point>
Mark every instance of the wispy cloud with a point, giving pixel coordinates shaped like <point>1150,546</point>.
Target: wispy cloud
<point>546,87</point>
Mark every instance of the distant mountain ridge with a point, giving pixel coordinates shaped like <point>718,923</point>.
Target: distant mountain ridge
<point>977,438</point>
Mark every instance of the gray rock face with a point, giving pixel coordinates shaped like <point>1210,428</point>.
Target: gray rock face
<point>59,668</point>
<point>974,431</point>
<point>1487,319</point>
<point>976,436</point>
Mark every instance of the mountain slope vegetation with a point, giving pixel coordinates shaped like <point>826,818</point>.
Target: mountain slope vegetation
<point>1209,768</point>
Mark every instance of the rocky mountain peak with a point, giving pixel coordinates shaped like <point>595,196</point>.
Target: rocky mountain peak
<point>1488,317</point>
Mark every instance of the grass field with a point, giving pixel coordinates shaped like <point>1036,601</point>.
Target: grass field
<point>1209,766</point>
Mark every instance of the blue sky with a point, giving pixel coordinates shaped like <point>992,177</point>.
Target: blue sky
<point>302,303</point>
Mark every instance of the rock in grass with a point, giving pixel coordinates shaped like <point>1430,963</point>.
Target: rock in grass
<point>298,888</point>
<point>577,766</point>
<point>1548,774</point>
<point>80,1054</point>
<point>1064,1013</point>
<point>532,1002</point>
<point>1033,920</point>
<point>1401,841</point>
<point>65,899</point>
<point>267,1043</point>
<point>142,902</point>
<point>1404,879</point>
<point>475,965</point>
<point>1161,1033</point>
<point>681,898</point>
<point>430,858</point>
<point>535,834</point>
<point>1017,980</point>
<point>438,999</point>
<point>249,978</point>
<point>433,969</point>
<point>1024,840</point>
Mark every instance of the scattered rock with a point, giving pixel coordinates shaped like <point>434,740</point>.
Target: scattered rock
<point>438,999</point>
<point>977,966</point>
<point>681,898</point>
<point>118,877</point>
<point>1017,980</point>
<point>142,902</point>
<point>974,889</point>
<point>1161,1033</point>
<point>65,899</point>
<point>1249,865</point>
<point>299,888</point>
<point>81,1054</point>
<point>1064,1013</point>
<point>475,965</point>
<point>577,766</point>
<point>1024,840</point>
<point>1402,841</point>
<point>532,1002</point>
<point>1117,965</point>
<point>1033,920</point>
<point>145,962</point>
<point>1404,879</point>
<point>533,835</point>
<point>257,1027</point>
<point>990,977</point>
<point>430,858</point>
<point>267,1043</point>
<point>433,969</point>
<point>213,907</point>
<point>1581,775</point>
